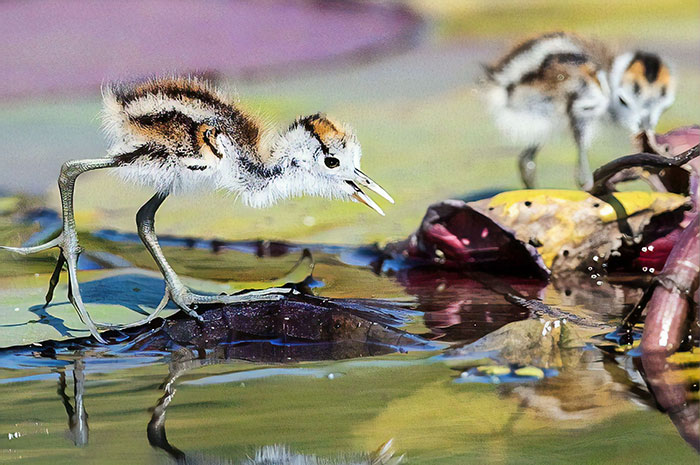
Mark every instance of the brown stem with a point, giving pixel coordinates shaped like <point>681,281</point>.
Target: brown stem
<point>670,302</point>
<point>602,175</point>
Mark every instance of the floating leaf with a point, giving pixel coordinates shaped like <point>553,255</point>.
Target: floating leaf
<point>532,372</point>
<point>529,232</point>
<point>111,296</point>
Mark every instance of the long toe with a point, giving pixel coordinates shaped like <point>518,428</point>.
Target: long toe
<point>265,292</point>
<point>239,298</point>
<point>19,250</point>
<point>271,294</point>
<point>163,303</point>
<point>56,242</point>
<point>69,251</point>
<point>184,300</point>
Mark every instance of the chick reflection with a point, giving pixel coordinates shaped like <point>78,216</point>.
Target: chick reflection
<point>185,361</point>
<point>78,430</point>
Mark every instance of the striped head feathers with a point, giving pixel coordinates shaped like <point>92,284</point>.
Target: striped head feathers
<point>325,157</point>
<point>643,88</point>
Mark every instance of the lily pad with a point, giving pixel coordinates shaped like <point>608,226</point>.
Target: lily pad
<point>111,296</point>
<point>115,297</point>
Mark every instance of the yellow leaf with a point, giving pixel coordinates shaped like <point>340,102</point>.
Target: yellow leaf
<point>684,358</point>
<point>571,225</point>
<point>533,372</point>
<point>494,370</point>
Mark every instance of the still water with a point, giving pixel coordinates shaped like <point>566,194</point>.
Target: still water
<point>379,381</point>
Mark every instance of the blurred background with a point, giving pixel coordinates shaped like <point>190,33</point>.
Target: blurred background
<point>403,73</point>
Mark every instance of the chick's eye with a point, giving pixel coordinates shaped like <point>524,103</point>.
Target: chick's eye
<point>622,101</point>
<point>331,162</point>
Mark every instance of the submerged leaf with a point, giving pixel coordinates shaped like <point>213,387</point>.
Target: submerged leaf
<point>538,342</point>
<point>302,328</point>
<point>530,371</point>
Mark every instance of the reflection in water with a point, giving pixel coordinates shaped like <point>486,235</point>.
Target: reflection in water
<point>584,392</point>
<point>591,386</point>
<point>186,360</point>
<point>675,388</point>
<point>458,307</point>
<point>464,306</point>
<point>78,429</point>
<point>605,298</point>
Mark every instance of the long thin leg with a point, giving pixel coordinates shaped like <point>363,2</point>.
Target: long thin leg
<point>582,134</point>
<point>67,241</point>
<point>146,222</point>
<point>527,165</point>
<point>175,290</point>
<point>70,249</point>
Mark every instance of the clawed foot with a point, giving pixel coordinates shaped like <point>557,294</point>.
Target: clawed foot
<point>69,252</point>
<point>188,302</point>
<point>182,297</point>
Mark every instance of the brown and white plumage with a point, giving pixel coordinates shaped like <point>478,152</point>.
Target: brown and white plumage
<point>180,134</point>
<point>561,81</point>
<point>163,132</point>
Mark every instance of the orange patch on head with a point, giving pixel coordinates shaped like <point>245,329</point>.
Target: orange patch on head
<point>664,76</point>
<point>326,130</point>
<point>635,76</point>
<point>635,72</point>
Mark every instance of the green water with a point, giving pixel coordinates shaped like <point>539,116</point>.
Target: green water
<point>77,403</point>
<point>425,138</point>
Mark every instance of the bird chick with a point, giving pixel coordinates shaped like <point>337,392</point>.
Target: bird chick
<point>181,135</point>
<point>560,81</point>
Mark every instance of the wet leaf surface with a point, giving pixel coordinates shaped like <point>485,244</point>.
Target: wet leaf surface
<point>533,232</point>
<point>367,368</point>
<point>298,328</point>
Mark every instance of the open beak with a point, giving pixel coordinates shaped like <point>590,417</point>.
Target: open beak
<point>364,180</point>
<point>357,193</point>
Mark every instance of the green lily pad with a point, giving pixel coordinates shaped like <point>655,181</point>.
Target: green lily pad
<point>115,296</point>
<point>111,296</point>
